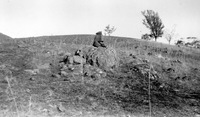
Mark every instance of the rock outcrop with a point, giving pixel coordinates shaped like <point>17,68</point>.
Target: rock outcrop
<point>89,62</point>
<point>104,58</point>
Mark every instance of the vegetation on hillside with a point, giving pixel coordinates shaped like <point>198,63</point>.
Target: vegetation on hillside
<point>29,86</point>
<point>4,38</point>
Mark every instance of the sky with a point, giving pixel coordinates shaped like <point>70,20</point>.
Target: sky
<point>28,18</point>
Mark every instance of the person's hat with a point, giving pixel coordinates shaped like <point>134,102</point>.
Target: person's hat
<point>99,33</point>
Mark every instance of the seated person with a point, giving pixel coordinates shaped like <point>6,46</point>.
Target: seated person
<point>98,42</point>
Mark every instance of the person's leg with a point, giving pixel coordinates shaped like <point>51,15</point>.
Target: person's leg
<point>96,44</point>
<point>103,45</point>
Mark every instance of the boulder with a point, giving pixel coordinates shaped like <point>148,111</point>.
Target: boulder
<point>104,58</point>
<point>78,60</point>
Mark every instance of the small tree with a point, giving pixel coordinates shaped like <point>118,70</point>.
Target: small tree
<point>170,34</point>
<point>154,23</point>
<point>108,30</point>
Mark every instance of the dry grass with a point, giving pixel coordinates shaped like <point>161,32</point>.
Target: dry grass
<point>122,93</point>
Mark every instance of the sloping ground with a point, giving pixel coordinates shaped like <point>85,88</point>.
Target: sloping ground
<point>4,38</point>
<point>117,42</point>
<point>30,88</point>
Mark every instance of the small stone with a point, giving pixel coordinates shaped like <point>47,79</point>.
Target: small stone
<point>67,54</point>
<point>97,76</point>
<point>64,73</point>
<point>31,78</point>
<point>145,61</point>
<point>70,60</point>
<point>32,71</point>
<point>133,56</point>
<point>61,53</point>
<point>61,108</point>
<point>103,74</point>
<point>71,68</point>
<point>197,115</point>
<point>64,67</point>
<point>56,75</point>
<point>61,64</point>
<point>78,53</point>
<point>44,66</point>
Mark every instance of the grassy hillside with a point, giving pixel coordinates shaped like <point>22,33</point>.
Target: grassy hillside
<point>29,87</point>
<point>4,38</point>
<point>136,46</point>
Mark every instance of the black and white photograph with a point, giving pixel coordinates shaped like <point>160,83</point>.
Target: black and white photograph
<point>99,58</point>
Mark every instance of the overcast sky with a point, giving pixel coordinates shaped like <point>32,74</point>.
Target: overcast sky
<point>25,18</point>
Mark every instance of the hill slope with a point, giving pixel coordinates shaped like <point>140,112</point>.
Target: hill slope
<point>4,38</point>
<point>30,78</point>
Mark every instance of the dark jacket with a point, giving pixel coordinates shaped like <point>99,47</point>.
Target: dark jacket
<point>98,42</point>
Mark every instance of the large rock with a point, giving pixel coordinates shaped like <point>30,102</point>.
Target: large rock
<point>78,60</point>
<point>104,58</point>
